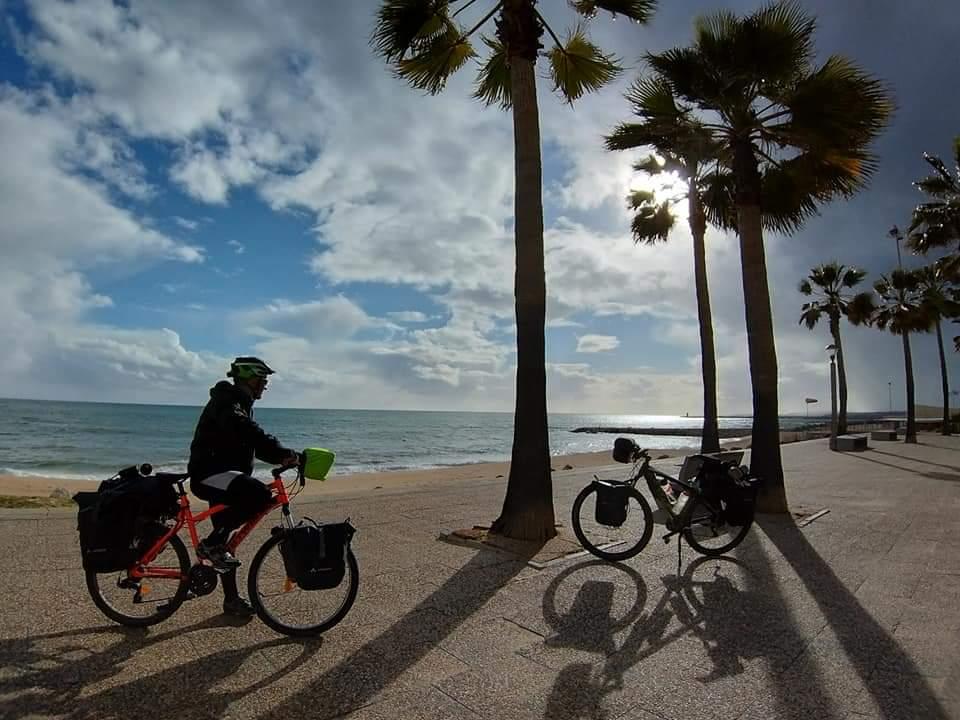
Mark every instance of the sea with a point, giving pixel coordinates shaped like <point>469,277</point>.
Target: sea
<point>92,441</point>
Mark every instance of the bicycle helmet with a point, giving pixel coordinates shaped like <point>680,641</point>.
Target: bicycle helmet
<point>245,368</point>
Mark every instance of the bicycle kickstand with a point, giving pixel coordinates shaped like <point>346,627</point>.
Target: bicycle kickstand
<point>679,558</point>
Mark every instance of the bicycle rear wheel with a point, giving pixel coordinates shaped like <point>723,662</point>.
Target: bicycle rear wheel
<point>608,542</point>
<point>286,608</point>
<point>144,601</point>
<point>709,534</point>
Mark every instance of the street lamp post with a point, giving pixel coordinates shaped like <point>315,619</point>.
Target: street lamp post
<point>832,349</point>
<point>890,393</point>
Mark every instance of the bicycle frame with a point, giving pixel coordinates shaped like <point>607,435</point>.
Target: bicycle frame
<point>653,478</point>
<point>186,517</point>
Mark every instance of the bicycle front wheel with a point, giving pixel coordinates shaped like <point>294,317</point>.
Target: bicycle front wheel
<point>708,532</point>
<point>284,607</point>
<point>148,600</point>
<point>607,541</point>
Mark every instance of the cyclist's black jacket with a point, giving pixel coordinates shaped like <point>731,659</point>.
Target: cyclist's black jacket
<point>228,438</point>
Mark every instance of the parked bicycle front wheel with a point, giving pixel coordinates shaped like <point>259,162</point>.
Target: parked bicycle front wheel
<point>148,600</point>
<point>708,532</point>
<point>286,608</point>
<point>609,542</point>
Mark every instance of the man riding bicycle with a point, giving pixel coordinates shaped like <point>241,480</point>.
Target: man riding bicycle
<point>221,465</point>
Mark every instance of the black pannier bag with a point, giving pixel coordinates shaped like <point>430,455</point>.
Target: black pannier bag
<point>740,499</point>
<point>623,450</point>
<point>612,502</point>
<point>315,556</point>
<point>713,479</point>
<point>116,521</point>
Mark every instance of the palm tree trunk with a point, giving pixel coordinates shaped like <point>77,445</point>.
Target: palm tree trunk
<point>944,382</point>
<point>710,439</point>
<point>765,446</point>
<point>911,409</point>
<point>527,512</point>
<point>841,374</point>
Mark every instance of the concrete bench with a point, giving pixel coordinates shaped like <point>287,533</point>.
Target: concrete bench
<point>851,442</point>
<point>883,435</point>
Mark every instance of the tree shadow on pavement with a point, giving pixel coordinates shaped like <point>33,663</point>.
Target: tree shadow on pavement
<point>886,671</point>
<point>359,678</point>
<point>915,460</point>
<point>932,475</point>
<point>57,674</point>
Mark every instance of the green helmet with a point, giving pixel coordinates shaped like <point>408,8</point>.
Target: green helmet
<point>245,368</point>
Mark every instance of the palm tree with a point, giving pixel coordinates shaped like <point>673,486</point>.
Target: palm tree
<point>791,132</point>
<point>901,310</point>
<point>936,287</point>
<point>424,43</point>
<point>828,284</point>
<point>936,224</point>
<point>686,149</point>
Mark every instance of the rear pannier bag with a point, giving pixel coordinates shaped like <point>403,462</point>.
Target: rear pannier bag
<point>739,500</point>
<point>115,521</point>
<point>315,556</point>
<point>612,502</point>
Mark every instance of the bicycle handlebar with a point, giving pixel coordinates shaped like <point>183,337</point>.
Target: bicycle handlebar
<point>278,471</point>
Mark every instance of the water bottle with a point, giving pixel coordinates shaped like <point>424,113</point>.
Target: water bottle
<point>681,503</point>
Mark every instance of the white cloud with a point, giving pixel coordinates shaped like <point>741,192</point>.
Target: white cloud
<point>407,191</point>
<point>186,223</point>
<point>597,343</point>
<point>238,247</point>
<point>408,316</point>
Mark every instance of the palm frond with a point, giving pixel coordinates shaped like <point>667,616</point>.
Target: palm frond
<point>651,165</point>
<point>429,69</point>
<point>781,37</point>
<point>810,315</point>
<point>937,164</point>
<point>687,73</point>
<point>836,108</point>
<point>639,11</point>
<point>861,308</point>
<point>403,25</point>
<point>758,53</point>
<point>718,193</point>
<point>652,99</point>
<point>493,80</point>
<point>853,277</point>
<point>652,221</point>
<point>578,66</point>
<point>937,186</point>
<point>629,136</point>
<point>805,287</point>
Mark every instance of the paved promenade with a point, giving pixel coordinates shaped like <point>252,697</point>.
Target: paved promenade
<point>855,615</point>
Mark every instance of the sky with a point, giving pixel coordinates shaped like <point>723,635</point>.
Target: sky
<point>182,182</point>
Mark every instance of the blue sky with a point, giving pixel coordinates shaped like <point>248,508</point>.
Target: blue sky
<point>183,182</point>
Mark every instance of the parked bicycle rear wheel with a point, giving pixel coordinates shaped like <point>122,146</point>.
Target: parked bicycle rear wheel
<point>708,532</point>
<point>286,608</point>
<point>608,542</point>
<point>145,601</point>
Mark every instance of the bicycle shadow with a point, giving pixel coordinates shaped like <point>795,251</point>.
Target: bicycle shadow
<point>52,674</point>
<point>689,608</point>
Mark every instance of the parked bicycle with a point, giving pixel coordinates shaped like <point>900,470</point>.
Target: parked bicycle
<point>294,593</point>
<point>613,520</point>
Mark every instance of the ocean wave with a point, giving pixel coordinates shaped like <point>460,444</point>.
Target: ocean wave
<point>53,474</point>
